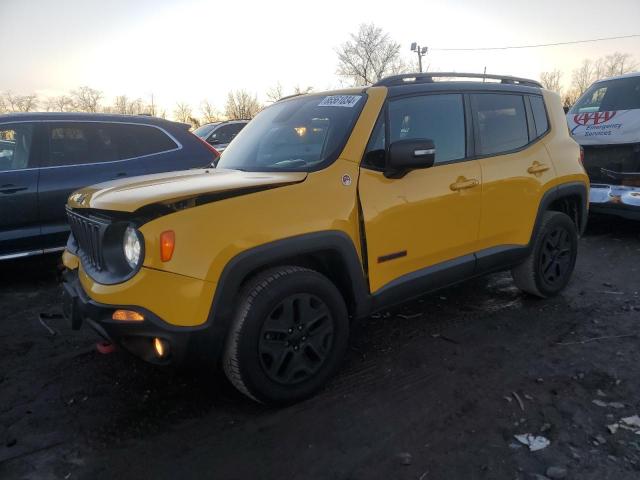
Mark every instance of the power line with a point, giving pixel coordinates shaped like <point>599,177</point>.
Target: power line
<point>534,46</point>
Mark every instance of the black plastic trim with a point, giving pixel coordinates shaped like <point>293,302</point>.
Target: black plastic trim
<point>248,262</point>
<point>425,280</point>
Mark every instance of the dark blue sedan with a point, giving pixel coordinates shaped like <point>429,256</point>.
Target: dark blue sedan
<point>46,156</point>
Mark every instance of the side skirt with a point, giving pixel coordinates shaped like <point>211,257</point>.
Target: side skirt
<point>448,273</point>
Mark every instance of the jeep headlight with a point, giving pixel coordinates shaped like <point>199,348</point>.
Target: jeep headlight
<point>132,247</point>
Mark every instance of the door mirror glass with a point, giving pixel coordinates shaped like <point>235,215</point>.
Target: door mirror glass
<point>406,155</point>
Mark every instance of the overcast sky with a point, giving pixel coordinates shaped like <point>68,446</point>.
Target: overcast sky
<point>189,50</point>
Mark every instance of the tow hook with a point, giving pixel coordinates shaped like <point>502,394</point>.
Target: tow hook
<point>105,347</point>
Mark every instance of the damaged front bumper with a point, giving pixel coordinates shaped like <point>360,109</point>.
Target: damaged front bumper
<point>180,344</point>
<point>619,200</point>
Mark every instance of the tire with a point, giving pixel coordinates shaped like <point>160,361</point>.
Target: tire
<point>288,337</point>
<point>549,266</point>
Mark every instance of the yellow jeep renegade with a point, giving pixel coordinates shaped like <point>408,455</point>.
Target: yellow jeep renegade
<point>324,209</point>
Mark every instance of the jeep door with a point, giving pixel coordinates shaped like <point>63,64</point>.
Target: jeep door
<point>19,159</point>
<point>428,219</point>
<point>515,165</point>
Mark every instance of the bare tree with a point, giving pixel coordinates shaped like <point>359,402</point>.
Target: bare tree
<point>3,105</point>
<point>275,93</point>
<point>569,98</point>
<point>209,112</point>
<point>241,105</point>
<point>86,99</point>
<point>182,112</point>
<point>20,103</point>
<point>618,64</point>
<point>120,104</point>
<point>369,55</point>
<point>298,90</point>
<point>583,76</point>
<point>552,80</point>
<point>61,103</point>
<point>591,70</point>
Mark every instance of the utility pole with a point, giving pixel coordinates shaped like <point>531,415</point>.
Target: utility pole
<point>421,51</point>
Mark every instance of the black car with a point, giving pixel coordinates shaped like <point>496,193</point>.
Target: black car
<point>46,156</point>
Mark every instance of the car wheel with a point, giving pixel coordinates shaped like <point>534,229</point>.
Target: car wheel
<point>288,336</point>
<point>549,266</point>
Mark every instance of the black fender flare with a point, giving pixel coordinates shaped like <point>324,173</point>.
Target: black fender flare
<point>559,192</point>
<point>243,265</point>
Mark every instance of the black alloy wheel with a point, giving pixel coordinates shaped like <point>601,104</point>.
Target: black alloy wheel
<point>296,339</point>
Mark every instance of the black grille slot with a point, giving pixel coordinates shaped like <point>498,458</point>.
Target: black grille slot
<point>88,234</point>
<point>616,158</point>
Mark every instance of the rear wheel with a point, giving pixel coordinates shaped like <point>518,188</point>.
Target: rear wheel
<point>288,337</point>
<point>549,266</point>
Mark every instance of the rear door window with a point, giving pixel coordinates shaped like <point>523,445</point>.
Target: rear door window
<point>76,143</point>
<point>500,122</point>
<point>69,144</point>
<point>15,146</point>
<point>435,117</point>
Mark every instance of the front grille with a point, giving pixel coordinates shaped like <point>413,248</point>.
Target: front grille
<point>613,158</point>
<point>88,233</point>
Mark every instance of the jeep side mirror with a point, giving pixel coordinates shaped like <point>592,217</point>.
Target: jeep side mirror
<point>410,154</point>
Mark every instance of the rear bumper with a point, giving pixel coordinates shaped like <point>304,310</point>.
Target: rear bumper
<point>181,343</point>
<point>619,200</point>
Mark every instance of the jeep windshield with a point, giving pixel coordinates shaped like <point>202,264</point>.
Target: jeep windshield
<point>301,134</point>
<point>610,95</point>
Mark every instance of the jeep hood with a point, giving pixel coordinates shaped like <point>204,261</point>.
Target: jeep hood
<point>129,195</point>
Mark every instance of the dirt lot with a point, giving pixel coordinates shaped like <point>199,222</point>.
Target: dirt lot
<point>436,389</point>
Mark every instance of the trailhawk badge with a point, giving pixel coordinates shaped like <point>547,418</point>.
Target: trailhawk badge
<point>346,180</point>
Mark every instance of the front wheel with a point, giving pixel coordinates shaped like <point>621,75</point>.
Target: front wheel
<point>288,337</point>
<point>549,266</point>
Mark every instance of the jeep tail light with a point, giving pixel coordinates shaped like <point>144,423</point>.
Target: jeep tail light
<point>167,244</point>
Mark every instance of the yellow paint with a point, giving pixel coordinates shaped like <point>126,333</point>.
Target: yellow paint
<point>421,214</point>
<point>176,299</point>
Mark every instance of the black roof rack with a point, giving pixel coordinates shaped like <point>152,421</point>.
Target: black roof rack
<point>427,77</point>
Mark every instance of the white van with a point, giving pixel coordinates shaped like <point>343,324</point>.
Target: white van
<point>605,121</point>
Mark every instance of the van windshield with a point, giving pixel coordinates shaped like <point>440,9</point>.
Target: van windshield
<point>301,134</point>
<point>610,95</point>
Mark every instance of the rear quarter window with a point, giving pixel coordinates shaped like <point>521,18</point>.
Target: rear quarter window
<point>137,140</point>
<point>539,115</point>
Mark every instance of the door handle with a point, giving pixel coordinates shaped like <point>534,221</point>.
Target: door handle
<point>9,188</point>
<point>537,167</point>
<point>462,183</point>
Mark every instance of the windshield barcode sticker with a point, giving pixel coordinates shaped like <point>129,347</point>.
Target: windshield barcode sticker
<point>339,101</point>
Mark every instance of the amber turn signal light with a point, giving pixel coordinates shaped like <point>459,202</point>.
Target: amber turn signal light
<point>127,316</point>
<point>167,244</point>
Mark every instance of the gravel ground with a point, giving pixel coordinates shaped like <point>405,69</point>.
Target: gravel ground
<point>436,389</point>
